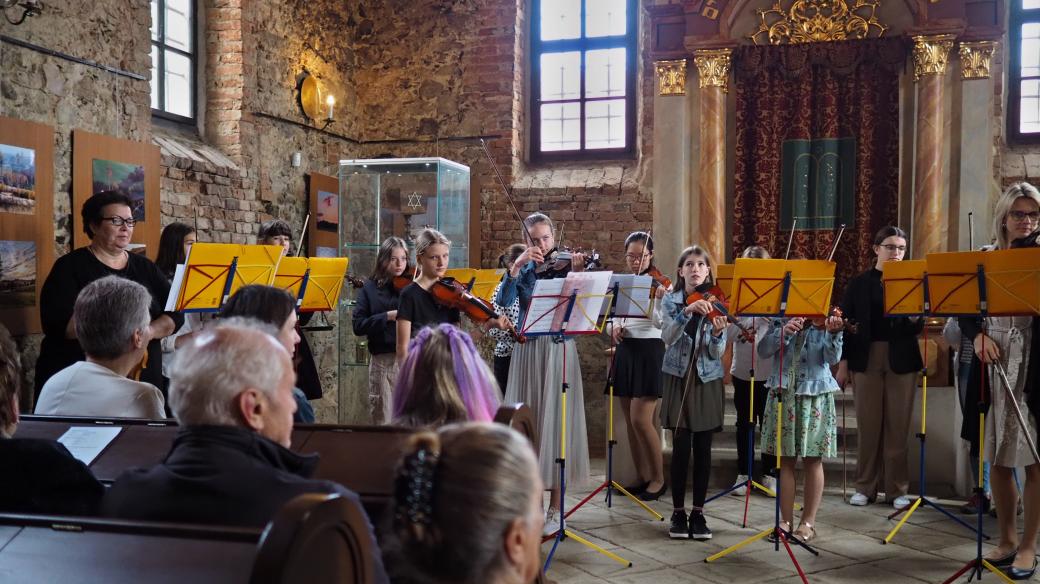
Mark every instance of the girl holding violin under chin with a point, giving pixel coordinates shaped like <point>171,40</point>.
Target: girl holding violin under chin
<point>419,305</point>
<point>804,383</point>
<point>637,374</point>
<point>693,403</point>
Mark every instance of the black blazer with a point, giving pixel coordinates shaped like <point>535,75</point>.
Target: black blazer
<point>41,476</point>
<point>863,293</point>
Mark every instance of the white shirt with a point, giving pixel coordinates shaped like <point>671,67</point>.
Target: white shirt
<point>89,389</point>
<point>742,349</point>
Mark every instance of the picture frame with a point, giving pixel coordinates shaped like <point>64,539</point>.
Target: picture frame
<point>323,229</point>
<point>27,245</point>
<point>105,163</point>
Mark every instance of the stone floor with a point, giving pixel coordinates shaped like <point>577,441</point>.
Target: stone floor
<point>929,548</point>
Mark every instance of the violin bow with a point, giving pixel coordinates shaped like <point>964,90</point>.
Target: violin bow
<point>834,247</point>
<point>971,230</point>
<point>790,239</point>
<point>303,233</point>
<point>505,189</point>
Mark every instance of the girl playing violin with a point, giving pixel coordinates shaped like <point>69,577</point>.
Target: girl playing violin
<point>694,396</point>
<point>375,316</point>
<point>418,306</point>
<point>810,426</point>
<point>537,368</point>
<point>637,377</point>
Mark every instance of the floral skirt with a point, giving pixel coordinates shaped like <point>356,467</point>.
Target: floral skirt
<point>810,425</point>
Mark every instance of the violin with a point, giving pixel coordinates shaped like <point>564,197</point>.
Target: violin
<point>720,307</point>
<point>558,263</point>
<point>846,324</point>
<point>451,293</point>
<point>407,277</point>
<point>659,278</point>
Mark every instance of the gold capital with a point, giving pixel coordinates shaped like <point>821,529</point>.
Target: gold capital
<point>976,58</point>
<point>713,66</point>
<point>931,54</point>
<point>671,77</point>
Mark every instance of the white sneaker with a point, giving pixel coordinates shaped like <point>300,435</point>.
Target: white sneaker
<point>859,500</point>
<point>742,489</point>
<point>769,482</point>
<point>901,501</point>
<point>552,522</point>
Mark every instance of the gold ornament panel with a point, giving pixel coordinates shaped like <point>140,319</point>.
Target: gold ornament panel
<point>811,21</point>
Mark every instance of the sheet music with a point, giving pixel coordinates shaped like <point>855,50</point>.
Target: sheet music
<point>175,288</point>
<point>86,442</point>
<point>591,290</point>
<point>634,298</point>
<point>545,304</point>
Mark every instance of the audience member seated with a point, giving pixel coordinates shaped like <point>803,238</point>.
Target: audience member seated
<point>112,323</point>
<point>467,508</point>
<point>274,307</point>
<point>40,476</point>
<point>444,380</point>
<point>230,464</point>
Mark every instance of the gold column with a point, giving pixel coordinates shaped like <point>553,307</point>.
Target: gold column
<point>713,69</point>
<point>671,77</point>
<point>931,54</point>
<point>976,58</point>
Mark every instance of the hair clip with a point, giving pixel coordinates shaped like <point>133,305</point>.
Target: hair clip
<point>414,489</point>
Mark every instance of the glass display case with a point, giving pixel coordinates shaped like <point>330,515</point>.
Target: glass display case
<point>394,196</point>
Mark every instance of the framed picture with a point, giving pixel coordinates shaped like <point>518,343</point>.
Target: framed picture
<point>26,221</point>
<point>323,230</point>
<point>103,163</point>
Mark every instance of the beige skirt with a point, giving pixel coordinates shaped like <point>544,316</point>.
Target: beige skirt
<point>1005,442</point>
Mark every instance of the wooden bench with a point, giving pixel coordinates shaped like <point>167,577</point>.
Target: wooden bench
<point>314,538</point>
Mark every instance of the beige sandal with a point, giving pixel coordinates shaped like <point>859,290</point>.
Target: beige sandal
<point>801,534</point>
<point>784,525</point>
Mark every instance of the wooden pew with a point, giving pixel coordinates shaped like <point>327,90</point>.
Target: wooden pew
<point>314,538</point>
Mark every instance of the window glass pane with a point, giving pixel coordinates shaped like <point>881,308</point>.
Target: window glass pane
<point>561,75</point>
<point>605,18</point>
<point>605,124</point>
<point>178,24</point>
<point>561,19</point>
<point>1029,115</point>
<point>560,129</point>
<point>155,77</point>
<point>178,84</point>
<point>1031,88</point>
<point>155,20</point>
<point>1027,4</point>
<point>1030,57</point>
<point>605,73</point>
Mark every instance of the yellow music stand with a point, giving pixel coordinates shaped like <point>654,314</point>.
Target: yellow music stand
<point>323,284</point>
<point>724,278</point>
<point>205,281</point>
<point>291,276</point>
<point>257,264</point>
<point>486,280</point>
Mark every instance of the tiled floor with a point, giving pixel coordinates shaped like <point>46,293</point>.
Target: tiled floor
<point>929,548</point>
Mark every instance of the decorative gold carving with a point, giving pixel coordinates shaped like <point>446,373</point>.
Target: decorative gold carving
<point>931,54</point>
<point>975,59</point>
<point>671,77</point>
<point>713,67</point>
<point>812,21</point>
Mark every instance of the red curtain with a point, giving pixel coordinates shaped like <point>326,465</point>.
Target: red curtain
<point>811,92</point>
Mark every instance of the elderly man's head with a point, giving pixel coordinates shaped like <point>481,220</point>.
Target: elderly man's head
<point>235,374</point>
<point>111,318</point>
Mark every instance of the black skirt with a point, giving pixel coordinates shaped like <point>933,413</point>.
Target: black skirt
<point>637,368</point>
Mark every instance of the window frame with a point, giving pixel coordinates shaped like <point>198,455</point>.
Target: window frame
<point>162,47</point>
<point>582,45</point>
<point>1018,17</point>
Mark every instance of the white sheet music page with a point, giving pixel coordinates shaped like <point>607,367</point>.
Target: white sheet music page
<point>545,304</point>
<point>86,442</point>
<point>634,299</point>
<point>175,288</point>
<point>591,290</point>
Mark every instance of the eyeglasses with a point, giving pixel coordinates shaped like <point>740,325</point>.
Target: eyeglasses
<point>1032,216</point>
<point>893,247</point>
<point>120,221</point>
<point>636,257</point>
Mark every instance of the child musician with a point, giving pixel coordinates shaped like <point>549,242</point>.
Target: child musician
<point>810,425</point>
<point>537,370</point>
<point>694,397</point>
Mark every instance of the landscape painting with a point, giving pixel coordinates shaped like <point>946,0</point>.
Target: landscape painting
<point>17,274</point>
<point>108,175</point>
<point>17,180</point>
<point>328,211</point>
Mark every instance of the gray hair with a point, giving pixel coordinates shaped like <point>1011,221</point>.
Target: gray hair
<point>220,363</point>
<point>107,314</point>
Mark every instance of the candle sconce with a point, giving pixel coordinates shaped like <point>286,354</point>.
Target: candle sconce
<point>316,107</point>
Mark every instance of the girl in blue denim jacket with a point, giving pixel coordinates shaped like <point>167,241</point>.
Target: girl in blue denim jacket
<point>693,398</point>
<point>809,428</point>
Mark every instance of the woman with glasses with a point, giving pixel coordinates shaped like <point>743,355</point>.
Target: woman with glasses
<point>883,359</point>
<point>1012,344</point>
<point>109,223</point>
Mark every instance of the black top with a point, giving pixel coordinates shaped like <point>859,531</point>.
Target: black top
<point>70,274</point>
<point>373,302</point>
<point>863,304</point>
<point>42,477</point>
<point>419,307</point>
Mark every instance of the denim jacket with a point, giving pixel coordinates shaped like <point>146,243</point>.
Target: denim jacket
<point>680,346</point>
<point>815,350</point>
<point>521,287</point>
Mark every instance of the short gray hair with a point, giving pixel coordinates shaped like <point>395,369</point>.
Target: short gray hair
<point>107,314</point>
<point>220,363</point>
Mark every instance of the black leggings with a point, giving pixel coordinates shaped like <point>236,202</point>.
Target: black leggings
<point>699,443</point>
<point>745,429</point>
<point>501,366</point>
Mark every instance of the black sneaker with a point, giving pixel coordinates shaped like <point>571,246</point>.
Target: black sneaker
<point>699,527</point>
<point>680,529</point>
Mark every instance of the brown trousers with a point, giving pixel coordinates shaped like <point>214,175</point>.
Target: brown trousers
<point>884,407</point>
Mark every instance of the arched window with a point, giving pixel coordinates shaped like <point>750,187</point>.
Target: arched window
<point>1024,72</point>
<point>583,78</point>
<point>174,51</point>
